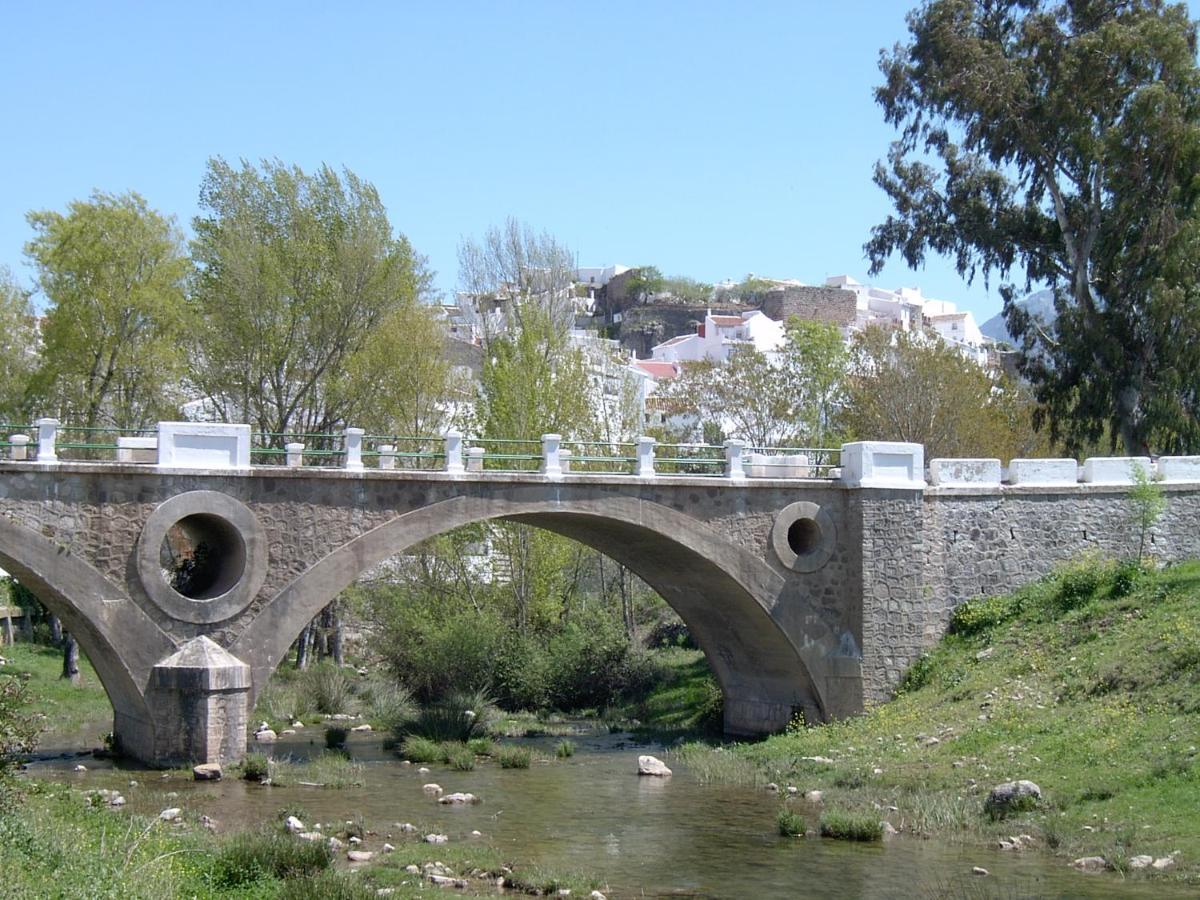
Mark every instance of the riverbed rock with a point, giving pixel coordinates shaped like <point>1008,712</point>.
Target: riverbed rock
<point>406,827</point>
<point>772,788</point>
<point>335,844</point>
<point>81,768</point>
<point>596,895</point>
<point>412,869</point>
<point>1163,863</point>
<point>1011,796</point>
<point>265,736</point>
<point>1141,862</point>
<point>823,760</point>
<point>311,836</point>
<point>388,848</point>
<point>650,765</point>
<point>293,825</point>
<point>979,870</point>
<point>458,798</point>
<point>887,829</point>
<point>116,800</point>
<point>288,731</point>
<point>431,788</point>
<point>173,812</point>
<point>436,839</point>
<point>207,772</point>
<point>359,855</point>
<point>476,833</point>
<point>423,770</point>
<point>1090,864</point>
<point>297,725</point>
<point>363,727</point>
<point>814,796</point>
<point>449,881</point>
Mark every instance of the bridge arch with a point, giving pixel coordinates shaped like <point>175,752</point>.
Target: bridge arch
<point>728,596</point>
<point>120,640</point>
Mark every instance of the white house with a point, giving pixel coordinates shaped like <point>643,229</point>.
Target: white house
<point>718,337</point>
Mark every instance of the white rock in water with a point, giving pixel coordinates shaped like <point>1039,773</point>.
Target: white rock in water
<point>1140,862</point>
<point>388,848</point>
<point>207,772</point>
<point>423,771</point>
<point>265,736</point>
<point>459,798</point>
<point>297,724</point>
<point>596,895</point>
<point>363,727</point>
<point>1090,863</point>
<point>1165,862</point>
<point>431,788</point>
<point>436,839</point>
<point>168,814</point>
<point>293,825</point>
<point>117,801</point>
<point>81,768</point>
<point>407,827</point>
<point>649,765</point>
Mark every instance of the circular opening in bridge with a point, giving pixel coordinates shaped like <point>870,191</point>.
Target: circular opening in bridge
<point>804,536</point>
<point>202,556</point>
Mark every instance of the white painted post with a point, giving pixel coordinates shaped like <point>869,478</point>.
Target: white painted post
<point>387,456</point>
<point>883,464</point>
<point>474,459</point>
<point>354,438</point>
<point>47,437</point>
<point>454,455</point>
<point>295,455</point>
<point>735,462</point>
<point>20,446</point>
<point>645,457</point>
<point>551,460</point>
<point>564,461</point>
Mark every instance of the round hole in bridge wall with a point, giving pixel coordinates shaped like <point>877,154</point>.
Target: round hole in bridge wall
<point>804,536</point>
<point>202,556</point>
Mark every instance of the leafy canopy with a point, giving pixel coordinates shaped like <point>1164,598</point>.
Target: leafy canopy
<point>1061,140</point>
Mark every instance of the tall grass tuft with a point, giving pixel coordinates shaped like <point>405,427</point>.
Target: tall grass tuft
<point>457,717</point>
<point>328,688</point>
<point>846,826</point>
<point>420,749</point>
<point>791,823</point>
<point>512,757</point>
<point>565,749</point>
<point>719,765</point>
<point>461,757</point>
<point>248,858</point>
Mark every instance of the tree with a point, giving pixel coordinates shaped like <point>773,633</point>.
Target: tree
<point>643,282</point>
<point>18,347</point>
<point>907,386</point>
<point>785,399</point>
<point>687,291</point>
<point>1061,139</point>
<point>308,302</point>
<point>113,271</point>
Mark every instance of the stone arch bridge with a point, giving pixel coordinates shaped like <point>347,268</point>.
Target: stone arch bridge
<point>808,595</point>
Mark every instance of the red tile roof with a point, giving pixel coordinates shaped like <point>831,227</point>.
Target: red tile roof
<point>657,368</point>
<point>726,320</point>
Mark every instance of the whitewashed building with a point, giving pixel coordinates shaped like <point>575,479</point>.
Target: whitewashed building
<point>718,337</point>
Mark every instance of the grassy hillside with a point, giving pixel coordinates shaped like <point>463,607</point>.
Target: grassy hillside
<point>1087,683</point>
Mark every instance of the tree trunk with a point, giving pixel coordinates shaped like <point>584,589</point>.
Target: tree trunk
<point>9,638</point>
<point>56,630</point>
<point>303,643</point>
<point>335,635</point>
<point>70,669</point>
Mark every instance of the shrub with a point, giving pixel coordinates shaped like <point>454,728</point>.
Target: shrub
<point>1127,575</point>
<point>844,826</point>
<point>791,823</point>
<point>461,758</point>
<point>256,767</point>
<point>979,616</point>
<point>388,703</point>
<point>420,749</point>
<point>333,770</point>
<point>482,746</point>
<point>458,717</point>
<point>247,858</point>
<point>436,658</point>
<point>564,750</point>
<point>18,731</point>
<point>282,701</point>
<point>328,688</point>
<point>512,757</point>
<point>1078,584</point>
<point>335,736</point>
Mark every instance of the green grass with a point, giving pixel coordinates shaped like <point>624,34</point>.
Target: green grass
<point>1087,683</point>
<point>420,749</point>
<point>512,757</point>
<point>845,826</point>
<point>67,707</point>
<point>564,749</point>
<point>791,823</point>
<point>685,701</point>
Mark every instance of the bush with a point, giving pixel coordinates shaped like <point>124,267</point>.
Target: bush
<point>564,750</point>
<point>482,746</point>
<point>844,826</point>
<point>512,757</point>
<point>459,717</point>
<point>979,616</point>
<point>420,749</point>
<point>591,664</point>
<point>328,688</point>
<point>247,858</point>
<point>256,767</point>
<point>791,824</point>
<point>18,731</point>
<point>1078,584</point>
<point>436,658</point>
<point>335,737</point>
<point>461,757</point>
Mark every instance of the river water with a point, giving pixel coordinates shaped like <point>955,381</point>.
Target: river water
<point>591,813</point>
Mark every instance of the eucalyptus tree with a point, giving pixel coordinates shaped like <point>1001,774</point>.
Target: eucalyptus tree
<point>18,347</point>
<point>1060,140</point>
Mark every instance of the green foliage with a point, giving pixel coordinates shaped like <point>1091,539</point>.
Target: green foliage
<point>482,746</point>
<point>335,736</point>
<point>18,730</point>
<point>328,688</point>
<point>791,824</point>
<point>247,858</point>
<point>420,749</point>
<point>687,291</point>
<point>457,717</point>
<point>306,300</point>
<point>513,757</point>
<point>113,271</point>
<point>564,749</point>
<point>256,767</point>
<point>968,619</point>
<point>642,282</point>
<point>1149,502</point>
<point>461,758</point>
<point>1059,139</point>
<point>17,339</point>
<point>847,826</point>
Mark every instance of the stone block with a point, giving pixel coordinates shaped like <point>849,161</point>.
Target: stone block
<point>137,449</point>
<point>883,464</point>
<point>1114,469</point>
<point>198,697</point>
<point>1179,468</point>
<point>964,471</point>
<point>1043,472</point>
<point>199,445</point>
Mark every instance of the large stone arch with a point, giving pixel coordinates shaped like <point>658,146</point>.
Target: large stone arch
<point>727,595</point>
<point>120,640</point>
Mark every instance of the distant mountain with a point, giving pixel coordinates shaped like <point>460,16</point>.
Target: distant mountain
<point>1039,304</point>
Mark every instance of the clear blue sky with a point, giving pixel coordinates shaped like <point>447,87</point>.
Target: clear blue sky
<point>709,139</point>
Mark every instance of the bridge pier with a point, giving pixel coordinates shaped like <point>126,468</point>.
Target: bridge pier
<point>199,704</point>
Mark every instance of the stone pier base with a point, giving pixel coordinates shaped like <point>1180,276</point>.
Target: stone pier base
<point>198,699</point>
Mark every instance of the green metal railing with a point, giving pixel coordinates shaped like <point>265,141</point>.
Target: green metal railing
<point>689,459</point>
<point>783,462</point>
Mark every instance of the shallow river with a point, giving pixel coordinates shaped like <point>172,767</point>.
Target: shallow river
<point>591,813</point>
